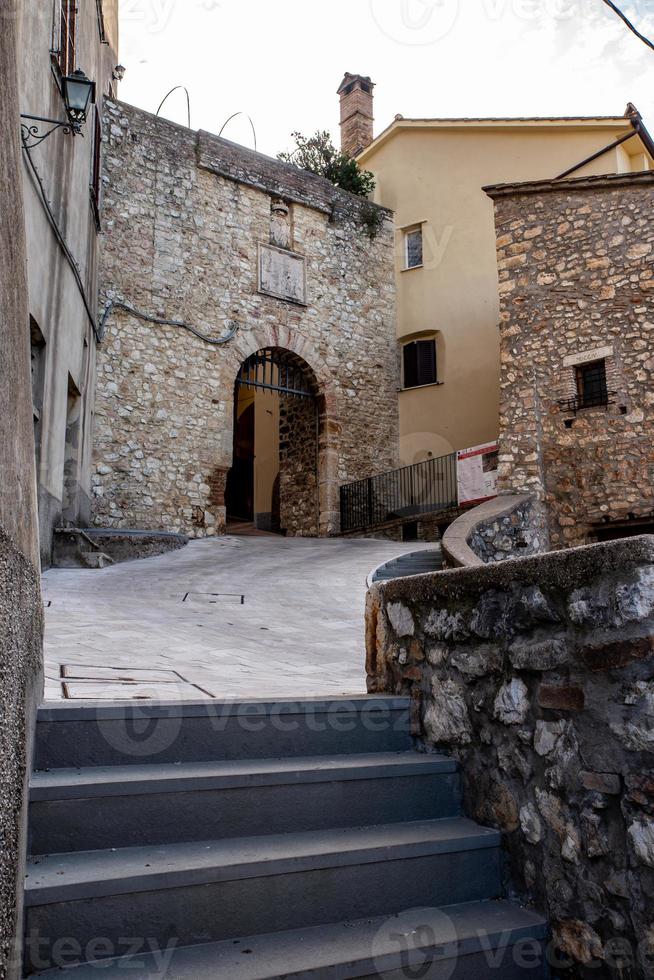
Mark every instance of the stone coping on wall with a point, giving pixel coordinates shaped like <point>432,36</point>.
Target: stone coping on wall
<point>559,185</point>
<point>253,169</point>
<point>275,177</point>
<point>456,547</point>
<point>565,569</point>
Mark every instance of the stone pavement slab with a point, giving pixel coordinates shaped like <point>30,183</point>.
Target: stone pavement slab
<point>248,617</point>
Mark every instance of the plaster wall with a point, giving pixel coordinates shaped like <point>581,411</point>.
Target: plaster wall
<point>64,163</point>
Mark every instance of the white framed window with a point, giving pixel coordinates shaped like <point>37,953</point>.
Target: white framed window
<point>413,247</point>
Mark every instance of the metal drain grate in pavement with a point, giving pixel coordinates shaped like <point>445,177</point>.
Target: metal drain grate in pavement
<point>101,683</point>
<point>213,598</point>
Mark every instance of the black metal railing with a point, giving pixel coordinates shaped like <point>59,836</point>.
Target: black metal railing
<point>424,488</point>
<point>596,399</point>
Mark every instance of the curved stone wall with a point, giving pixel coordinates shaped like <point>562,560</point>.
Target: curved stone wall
<point>510,526</point>
<point>538,677</point>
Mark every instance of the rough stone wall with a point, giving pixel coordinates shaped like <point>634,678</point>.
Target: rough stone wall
<point>577,282</point>
<point>21,635</point>
<point>298,466</point>
<point>184,216</point>
<point>510,536</point>
<point>537,676</point>
<point>509,526</point>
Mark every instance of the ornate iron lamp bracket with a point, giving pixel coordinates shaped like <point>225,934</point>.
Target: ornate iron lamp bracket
<point>40,127</point>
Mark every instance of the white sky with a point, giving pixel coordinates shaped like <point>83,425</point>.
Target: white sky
<point>281,61</point>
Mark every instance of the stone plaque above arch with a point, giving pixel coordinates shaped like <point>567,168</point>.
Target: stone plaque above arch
<point>282,274</point>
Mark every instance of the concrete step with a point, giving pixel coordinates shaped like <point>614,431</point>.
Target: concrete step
<point>476,941</point>
<point>147,732</point>
<point>413,563</point>
<point>125,806</point>
<point>209,891</point>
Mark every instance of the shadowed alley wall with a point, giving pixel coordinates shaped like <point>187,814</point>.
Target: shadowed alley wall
<point>20,603</point>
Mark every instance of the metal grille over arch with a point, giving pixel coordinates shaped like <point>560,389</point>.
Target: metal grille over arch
<point>276,369</point>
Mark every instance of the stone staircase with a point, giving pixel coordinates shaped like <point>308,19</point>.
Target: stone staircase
<point>262,840</point>
<point>412,563</point>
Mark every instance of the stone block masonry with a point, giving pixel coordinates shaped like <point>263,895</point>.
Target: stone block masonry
<point>186,216</point>
<point>537,675</point>
<point>576,270</point>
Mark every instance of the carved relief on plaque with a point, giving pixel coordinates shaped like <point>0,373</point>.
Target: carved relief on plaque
<point>282,274</point>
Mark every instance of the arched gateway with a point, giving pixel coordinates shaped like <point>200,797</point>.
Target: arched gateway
<point>280,445</point>
<point>274,277</point>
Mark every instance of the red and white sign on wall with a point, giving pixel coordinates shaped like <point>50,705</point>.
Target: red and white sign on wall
<point>477,474</point>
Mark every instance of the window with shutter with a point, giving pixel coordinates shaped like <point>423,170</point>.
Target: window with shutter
<point>410,366</point>
<point>96,168</point>
<point>420,363</point>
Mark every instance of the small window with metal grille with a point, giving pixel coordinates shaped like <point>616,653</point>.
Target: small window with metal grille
<point>67,36</point>
<point>420,363</point>
<point>592,388</point>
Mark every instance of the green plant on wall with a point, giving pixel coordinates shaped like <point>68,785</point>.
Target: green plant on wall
<point>318,155</point>
<point>372,219</point>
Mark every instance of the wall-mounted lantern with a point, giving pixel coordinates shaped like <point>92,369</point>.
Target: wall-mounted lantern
<point>78,93</point>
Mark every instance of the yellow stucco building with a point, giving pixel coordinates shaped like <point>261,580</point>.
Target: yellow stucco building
<point>431,173</point>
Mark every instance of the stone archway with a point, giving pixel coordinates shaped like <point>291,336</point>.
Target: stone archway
<point>327,426</point>
<point>283,446</point>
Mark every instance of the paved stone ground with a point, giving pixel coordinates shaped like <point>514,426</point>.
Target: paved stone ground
<point>175,626</point>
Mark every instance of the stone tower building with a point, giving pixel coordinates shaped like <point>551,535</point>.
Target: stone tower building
<point>357,118</point>
<point>248,361</point>
<point>576,324</point>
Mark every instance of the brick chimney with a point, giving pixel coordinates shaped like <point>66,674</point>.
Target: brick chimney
<point>356,92</point>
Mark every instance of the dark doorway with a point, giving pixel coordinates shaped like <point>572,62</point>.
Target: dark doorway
<point>72,450</point>
<point>273,483</point>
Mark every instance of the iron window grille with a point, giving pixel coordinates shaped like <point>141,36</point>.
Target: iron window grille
<point>592,388</point>
<point>420,363</point>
